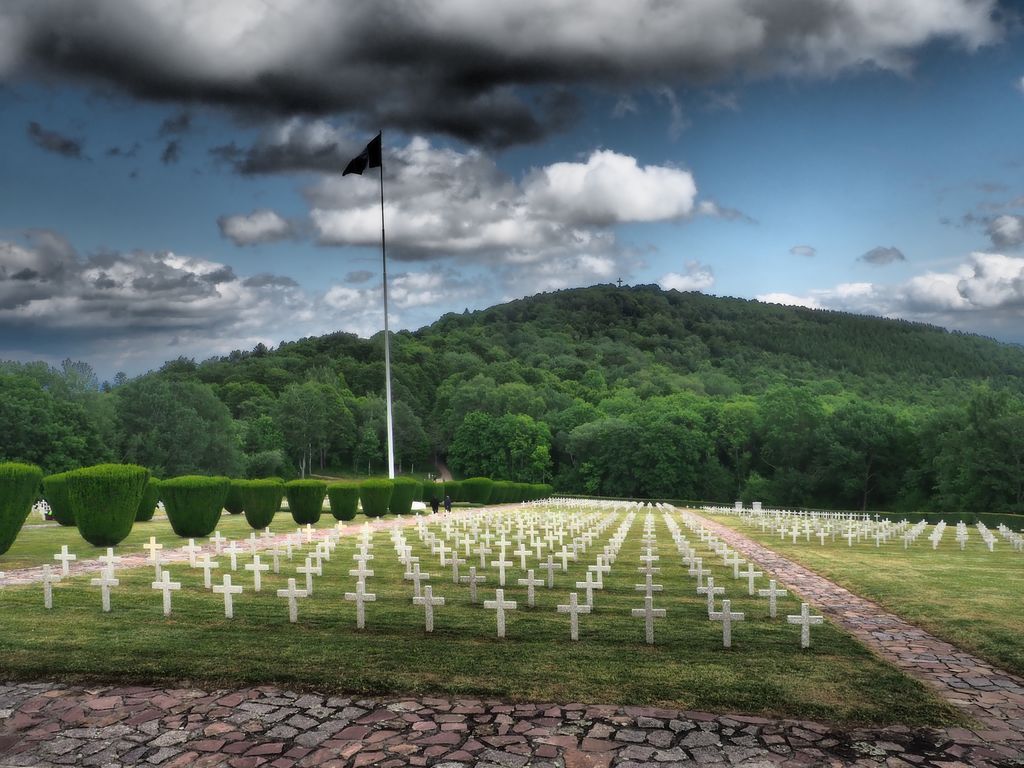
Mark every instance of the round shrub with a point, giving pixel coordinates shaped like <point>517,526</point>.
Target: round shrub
<point>147,507</point>
<point>261,499</point>
<point>104,500</point>
<point>55,491</point>
<point>501,492</point>
<point>453,488</point>
<point>306,500</point>
<point>194,503</point>
<point>375,496</point>
<point>19,484</point>
<point>233,503</point>
<point>344,498</point>
<point>477,490</point>
<point>406,490</point>
<point>431,490</point>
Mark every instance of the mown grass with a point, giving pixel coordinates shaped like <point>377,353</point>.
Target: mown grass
<point>764,673</point>
<point>971,599</point>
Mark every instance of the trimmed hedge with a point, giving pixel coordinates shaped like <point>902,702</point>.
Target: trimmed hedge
<point>104,500</point>
<point>147,507</point>
<point>432,490</point>
<point>344,497</point>
<point>405,491</point>
<point>375,496</point>
<point>233,503</point>
<point>55,491</point>
<point>477,490</point>
<point>19,484</point>
<point>261,499</point>
<point>306,500</point>
<point>194,503</point>
<point>453,488</point>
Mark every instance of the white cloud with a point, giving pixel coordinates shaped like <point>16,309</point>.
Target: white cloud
<point>261,226</point>
<point>696,277</point>
<point>1006,231</point>
<point>804,250</point>
<point>326,57</point>
<point>984,294</point>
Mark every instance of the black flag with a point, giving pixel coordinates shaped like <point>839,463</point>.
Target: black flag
<point>368,158</point>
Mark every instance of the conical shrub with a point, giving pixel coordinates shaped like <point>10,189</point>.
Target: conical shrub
<point>344,498</point>
<point>55,491</point>
<point>375,496</point>
<point>19,484</point>
<point>104,500</point>
<point>305,500</point>
<point>261,499</point>
<point>194,503</point>
<point>403,494</point>
<point>147,507</point>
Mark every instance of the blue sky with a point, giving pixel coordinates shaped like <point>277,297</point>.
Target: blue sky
<point>170,177</point>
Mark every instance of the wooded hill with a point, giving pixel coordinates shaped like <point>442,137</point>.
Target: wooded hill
<point>614,391</point>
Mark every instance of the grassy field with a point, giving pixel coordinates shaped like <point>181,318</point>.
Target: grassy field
<point>971,598</point>
<point>765,672</point>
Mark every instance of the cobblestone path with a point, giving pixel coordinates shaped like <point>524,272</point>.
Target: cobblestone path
<point>991,696</point>
<point>45,724</point>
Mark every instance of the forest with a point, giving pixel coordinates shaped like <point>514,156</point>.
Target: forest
<point>632,392</point>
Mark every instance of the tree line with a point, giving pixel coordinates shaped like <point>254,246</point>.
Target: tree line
<point>607,391</point>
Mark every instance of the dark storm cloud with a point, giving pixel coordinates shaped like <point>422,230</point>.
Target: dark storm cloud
<point>267,280</point>
<point>176,124</point>
<point>481,72</point>
<point>55,142</point>
<point>129,151</point>
<point>881,256</point>
<point>171,153</point>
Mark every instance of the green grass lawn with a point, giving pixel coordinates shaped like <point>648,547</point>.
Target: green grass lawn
<point>765,672</point>
<point>971,598</point>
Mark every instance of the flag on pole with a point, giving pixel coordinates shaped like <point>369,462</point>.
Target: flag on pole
<point>368,158</point>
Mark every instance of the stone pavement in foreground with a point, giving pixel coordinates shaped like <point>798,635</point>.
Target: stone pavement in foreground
<point>991,696</point>
<point>47,724</point>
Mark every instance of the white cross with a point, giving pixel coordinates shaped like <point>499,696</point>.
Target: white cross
<point>648,586</point>
<point>472,580</point>
<point>711,590</point>
<point>428,601</point>
<point>500,604</point>
<point>257,569</point>
<point>649,560</point>
<point>565,555</point>
<point>600,569</point>
<point>772,593</point>
<point>191,550</point>
<point>207,565</point>
<point>105,582</point>
<point>65,559</point>
<point>589,585</point>
<point>442,549</point>
<point>649,614</point>
<point>416,576</point>
<point>292,594</point>
<point>361,573</point>
<point>308,570</point>
<point>750,575</point>
<point>217,540</point>
<point>735,561</point>
<point>227,590</point>
<point>727,617</point>
<point>275,555</point>
<point>164,583</point>
<point>153,548</point>
<point>483,550</point>
<point>49,579</point>
<point>467,542</point>
<point>254,543</point>
<point>308,531</point>
<point>109,560</point>
<point>805,620</point>
<point>697,569</point>
<point>549,566</point>
<point>529,582</point>
<point>522,553</point>
<point>573,609</point>
<point>360,596</point>
<point>233,551</point>
<point>455,562</point>
<point>501,565</point>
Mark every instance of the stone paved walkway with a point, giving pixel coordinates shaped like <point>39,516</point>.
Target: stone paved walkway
<point>991,696</point>
<point>50,725</point>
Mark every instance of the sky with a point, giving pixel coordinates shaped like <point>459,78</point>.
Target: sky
<point>170,170</point>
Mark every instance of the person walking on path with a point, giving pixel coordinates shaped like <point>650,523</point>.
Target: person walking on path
<point>447,502</point>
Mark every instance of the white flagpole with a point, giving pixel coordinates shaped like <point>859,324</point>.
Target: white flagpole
<point>387,340</point>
